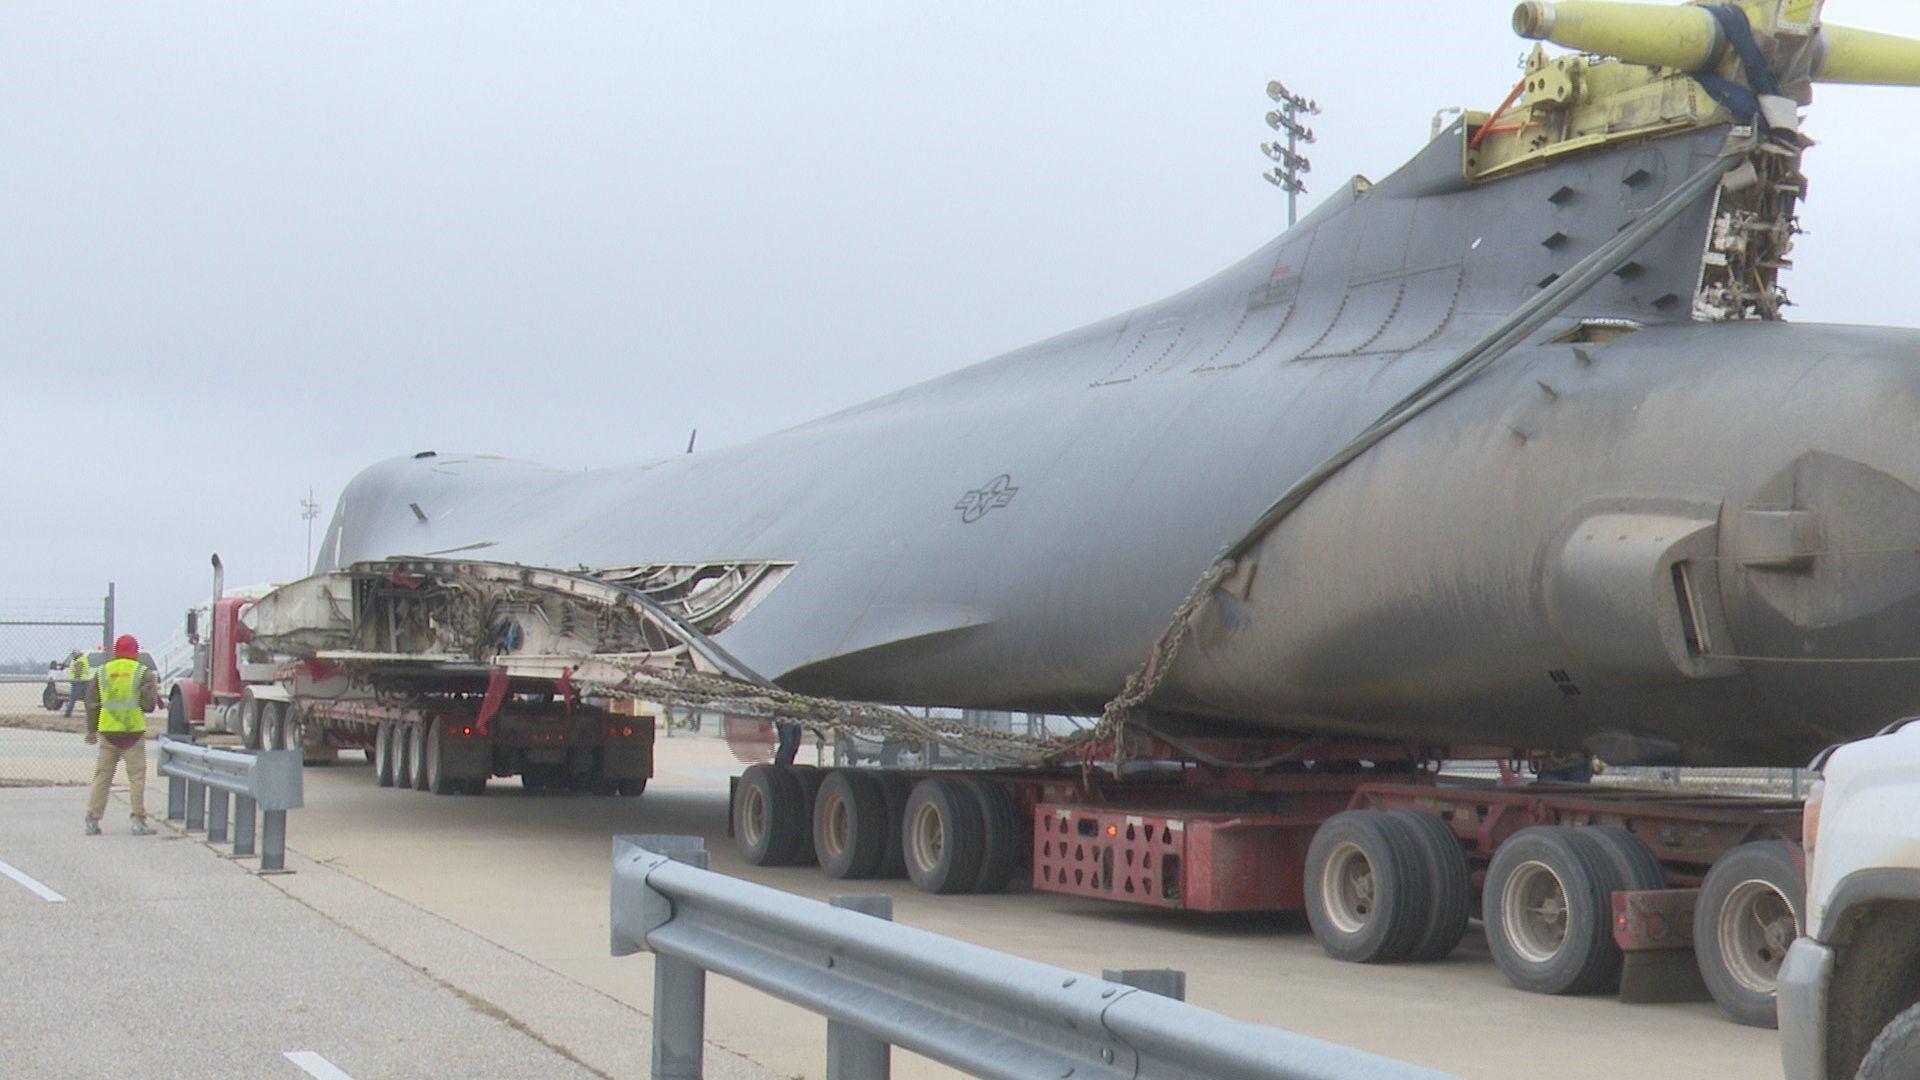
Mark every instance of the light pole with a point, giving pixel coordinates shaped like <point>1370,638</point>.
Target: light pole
<point>1289,166</point>
<point>308,511</point>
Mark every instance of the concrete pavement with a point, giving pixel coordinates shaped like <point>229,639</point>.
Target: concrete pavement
<point>156,956</point>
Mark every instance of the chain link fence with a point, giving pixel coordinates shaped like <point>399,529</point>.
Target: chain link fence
<point>41,744</point>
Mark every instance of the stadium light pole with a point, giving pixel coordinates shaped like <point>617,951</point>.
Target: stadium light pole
<point>1290,167</point>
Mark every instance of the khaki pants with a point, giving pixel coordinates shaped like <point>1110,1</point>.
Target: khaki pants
<point>136,758</point>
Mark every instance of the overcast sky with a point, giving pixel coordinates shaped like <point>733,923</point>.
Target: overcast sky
<point>252,248</point>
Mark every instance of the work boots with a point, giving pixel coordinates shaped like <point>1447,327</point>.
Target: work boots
<point>140,827</point>
<point>93,827</point>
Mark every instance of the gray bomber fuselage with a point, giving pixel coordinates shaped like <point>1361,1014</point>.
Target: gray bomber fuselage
<point>1685,542</point>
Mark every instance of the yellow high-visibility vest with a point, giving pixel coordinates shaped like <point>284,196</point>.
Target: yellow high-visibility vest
<point>80,669</point>
<point>119,682</point>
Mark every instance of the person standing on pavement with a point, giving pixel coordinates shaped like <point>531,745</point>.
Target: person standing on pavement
<point>78,673</point>
<point>119,696</point>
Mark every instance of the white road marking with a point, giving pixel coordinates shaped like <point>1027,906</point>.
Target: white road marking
<point>38,889</point>
<point>315,1065</point>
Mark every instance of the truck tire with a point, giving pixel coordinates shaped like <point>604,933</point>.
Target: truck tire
<point>416,777</point>
<point>769,810</point>
<point>250,724</point>
<point>632,786</point>
<point>273,726</point>
<point>895,788</point>
<point>1750,908</point>
<point>1632,859</point>
<point>1548,909</point>
<point>383,755</point>
<point>177,721</point>
<point>50,698</point>
<point>810,778</point>
<point>1895,1053</point>
<point>1449,884</point>
<point>437,780</point>
<point>944,839</point>
<point>850,825</point>
<point>1000,846</point>
<point>1366,887</point>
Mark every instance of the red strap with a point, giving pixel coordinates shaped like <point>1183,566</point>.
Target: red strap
<point>490,705</point>
<point>566,689</point>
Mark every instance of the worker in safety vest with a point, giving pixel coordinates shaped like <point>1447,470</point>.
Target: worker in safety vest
<point>119,697</point>
<point>78,672</point>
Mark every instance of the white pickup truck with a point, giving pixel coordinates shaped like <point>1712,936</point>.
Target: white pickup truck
<point>1849,991</point>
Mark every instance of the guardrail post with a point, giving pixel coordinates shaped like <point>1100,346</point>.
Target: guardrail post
<point>176,798</point>
<point>216,816</point>
<point>273,840</point>
<point>1167,982</point>
<point>679,995</point>
<point>196,806</point>
<point>242,825</point>
<point>853,1054</point>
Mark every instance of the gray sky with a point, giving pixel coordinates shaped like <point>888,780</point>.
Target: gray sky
<point>253,248</point>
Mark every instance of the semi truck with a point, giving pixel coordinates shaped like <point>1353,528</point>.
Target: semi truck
<point>368,661</point>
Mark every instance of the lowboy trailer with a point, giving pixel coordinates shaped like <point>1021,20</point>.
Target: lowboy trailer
<point>1582,888</point>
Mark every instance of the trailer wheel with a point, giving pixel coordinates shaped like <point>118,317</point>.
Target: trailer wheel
<point>383,763</point>
<point>944,836</point>
<point>849,825</point>
<point>633,786</point>
<point>1367,895</point>
<point>273,726</point>
<point>895,788</point>
<point>1548,908</point>
<point>769,815</point>
<point>810,778</point>
<point>437,780</point>
<point>1751,906</point>
<point>1449,882</point>
<point>416,776</point>
<point>1632,858</point>
<point>1000,846</point>
<point>250,724</point>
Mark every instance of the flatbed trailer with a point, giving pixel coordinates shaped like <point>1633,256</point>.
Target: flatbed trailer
<point>1582,888</point>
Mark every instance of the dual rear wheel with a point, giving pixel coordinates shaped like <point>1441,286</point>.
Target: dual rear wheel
<point>949,834</point>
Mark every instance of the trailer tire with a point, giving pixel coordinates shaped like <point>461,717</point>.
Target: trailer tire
<point>632,786</point>
<point>1366,892</point>
<point>416,777</point>
<point>850,825</point>
<point>769,810</point>
<point>250,724</point>
<point>383,755</point>
<point>1000,848</point>
<point>896,789</point>
<point>1632,858</point>
<point>1449,885</point>
<point>943,836</point>
<point>1750,908</point>
<point>273,726</point>
<point>810,778</point>
<point>437,780</point>
<point>1548,909</point>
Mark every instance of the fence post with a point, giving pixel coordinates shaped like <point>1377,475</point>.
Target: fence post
<point>273,840</point>
<point>679,1006</point>
<point>106,621</point>
<point>196,806</point>
<point>242,825</point>
<point>1167,982</point>
<point>176,798</point>
<point>216,816</point>
<point>853,1054</point>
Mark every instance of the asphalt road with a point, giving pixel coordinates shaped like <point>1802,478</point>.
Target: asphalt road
<point>528,873</point>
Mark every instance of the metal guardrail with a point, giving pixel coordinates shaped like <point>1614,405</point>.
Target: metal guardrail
<point>880,985</point>
<point>199,779</point>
